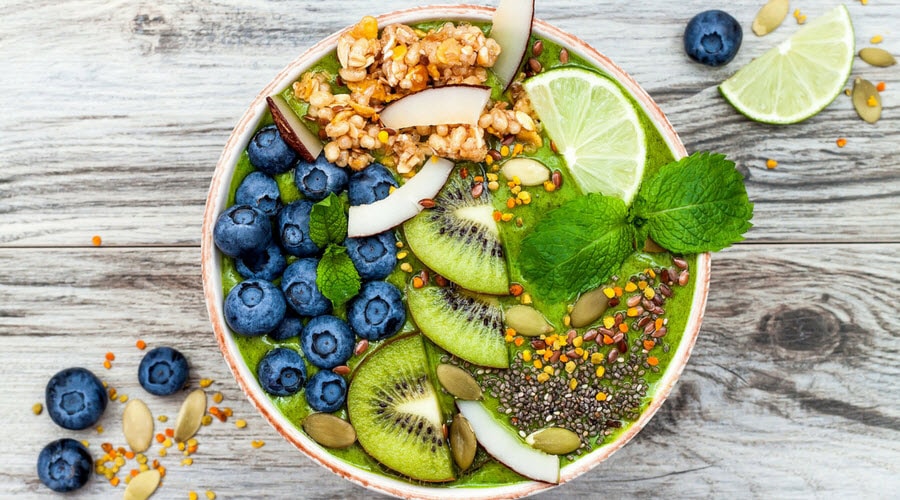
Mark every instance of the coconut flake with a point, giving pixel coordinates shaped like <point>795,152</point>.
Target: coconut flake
<point>448,105</point>
<point>507,447</point>
<point>511,30</point>
<point>402,204</point>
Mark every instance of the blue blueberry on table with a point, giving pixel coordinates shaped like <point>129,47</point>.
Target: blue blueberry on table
<point>293,228</point>
<point>713,38</point>
<point>327,341</point>
<point>281,372</point>
<point>319,179</point>
<point>254,307</point>
<point>163,371</point>
<point>370,184</point>
<point>269,153</point>
<point>373,256</point>
<point>377,312</point>
<point>300,290</point>
<point>290,327</point>
<point>242,230</point>
<point>64,465</point>
<point>75,398</point>
<point>267,265</point>
<point>326,391</point>
<point>259,191</point>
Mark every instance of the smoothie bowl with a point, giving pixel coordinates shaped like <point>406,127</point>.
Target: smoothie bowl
<point>416,258</point>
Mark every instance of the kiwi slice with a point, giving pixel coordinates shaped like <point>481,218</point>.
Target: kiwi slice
<point>465,324</point>
<point>394,409</point>
<point>459,238</point>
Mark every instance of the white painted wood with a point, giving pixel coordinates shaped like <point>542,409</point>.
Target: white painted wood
<point>114,114</point>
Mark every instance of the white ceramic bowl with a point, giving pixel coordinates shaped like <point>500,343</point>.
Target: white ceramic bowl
<point>212,267</point>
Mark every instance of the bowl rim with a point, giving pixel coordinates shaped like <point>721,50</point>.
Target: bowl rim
<point>212,277</point>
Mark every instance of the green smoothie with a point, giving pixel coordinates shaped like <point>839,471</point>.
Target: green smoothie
<point>650,366</point>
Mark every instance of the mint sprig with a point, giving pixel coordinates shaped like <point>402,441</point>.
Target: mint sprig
<point>328,221</point>
<point>694,205</point>
<point>585,238</point>
<point>336,276</point>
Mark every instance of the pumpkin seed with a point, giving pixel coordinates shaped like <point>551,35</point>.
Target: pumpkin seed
<point>458,382</point>
<point>527,321</point>
<point>143,485</point>
<point>462,441</point>
<point>530,172</point>
<point>877,57</point>
<point>189,416</point>
<point>863,91</point>
<point>554,440</point>
<point>329,431</point>
<point>137,425</point>
<point>770,16</point>
<point>651,246</point>
<point>589,308</point>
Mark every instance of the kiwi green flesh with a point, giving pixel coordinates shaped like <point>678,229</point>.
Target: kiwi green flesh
<point>459,239</point>
<point>464,325</point>
<point>394,409</point>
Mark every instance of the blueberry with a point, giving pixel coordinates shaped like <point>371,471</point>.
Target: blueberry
<point>289,327</point>
<point>370,184</point>
<point>242,230</point>
<point>293,228</point>
<point>327,341</point>
<point>713,38</point>
<point>163,371</point>
<point>254,307</point>
<point>301,291</point>
<point>373,256</point>
<point>377,312</point>
<point>64,465</point>
<point>267,265</point>
<point>326,391</point>
<point>75,398</point>
<point>281,372</point>
<point>260,192</point>
<point>317,180</point>
<point>268,152</point>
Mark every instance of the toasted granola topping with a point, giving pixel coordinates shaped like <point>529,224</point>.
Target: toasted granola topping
<point>380,69</point>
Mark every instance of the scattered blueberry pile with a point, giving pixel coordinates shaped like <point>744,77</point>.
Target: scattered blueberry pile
<point>76,399</point>
<point>278,260</point>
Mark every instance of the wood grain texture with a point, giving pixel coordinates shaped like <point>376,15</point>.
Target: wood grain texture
<point>791,380</point>
<point>115,112</point>
<point>114,130</point>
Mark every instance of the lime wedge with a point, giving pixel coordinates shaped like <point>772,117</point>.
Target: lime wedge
<point>595,128</point>
<point>799,77</point>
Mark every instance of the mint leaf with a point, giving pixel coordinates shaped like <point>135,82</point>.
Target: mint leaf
<point>694,205</point>
<point>328,221</point>
<point>577,246</point>
<point>336,276</point>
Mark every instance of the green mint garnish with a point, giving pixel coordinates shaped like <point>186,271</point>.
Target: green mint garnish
<point>336,276</point>
<point>328,222</point>
<point>694,205</point>
<point>583,240</point>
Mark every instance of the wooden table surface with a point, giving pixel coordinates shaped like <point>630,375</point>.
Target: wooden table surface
<point>114,113</point>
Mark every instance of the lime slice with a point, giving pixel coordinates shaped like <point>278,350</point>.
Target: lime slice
<point>595,128</point>
<point>799,77</point>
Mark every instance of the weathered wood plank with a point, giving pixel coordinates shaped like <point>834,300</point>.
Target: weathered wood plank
<point>790,392</point>
<point>114,130</point>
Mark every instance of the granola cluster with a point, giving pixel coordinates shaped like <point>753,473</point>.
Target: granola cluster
<point>402,60</point>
